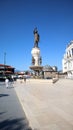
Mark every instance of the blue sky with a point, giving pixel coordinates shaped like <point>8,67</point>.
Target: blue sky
<point>18,18</point>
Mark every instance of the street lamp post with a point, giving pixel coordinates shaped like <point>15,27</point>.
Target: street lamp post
<point>4,62</point>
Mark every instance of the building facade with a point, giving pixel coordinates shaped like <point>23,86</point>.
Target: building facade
<point>50,72</point>
<point>67,61</point>
<point>6,69</point>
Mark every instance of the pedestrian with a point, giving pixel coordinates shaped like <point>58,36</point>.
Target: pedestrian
<point>25,79</point>
<point>7,82</point>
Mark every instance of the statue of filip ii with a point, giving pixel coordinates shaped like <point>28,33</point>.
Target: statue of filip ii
<point>36,37</point>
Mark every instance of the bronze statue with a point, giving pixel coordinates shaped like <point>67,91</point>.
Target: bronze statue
<point>36,37</point>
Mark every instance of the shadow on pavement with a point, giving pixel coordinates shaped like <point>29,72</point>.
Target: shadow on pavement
<point>2,113</point>
<point>15,124</point>
<point>2,95</point>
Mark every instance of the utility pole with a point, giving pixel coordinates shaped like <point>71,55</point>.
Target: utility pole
<point>4,62</point>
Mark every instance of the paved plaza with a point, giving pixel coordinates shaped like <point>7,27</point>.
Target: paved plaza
<point>47,106</point>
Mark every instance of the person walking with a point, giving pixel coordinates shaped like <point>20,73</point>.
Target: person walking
<point>25,79</point>
<point>7,82</point>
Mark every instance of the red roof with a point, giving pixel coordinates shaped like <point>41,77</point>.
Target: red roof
<point>6,66</point>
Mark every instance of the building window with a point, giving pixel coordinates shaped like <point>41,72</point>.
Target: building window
<point>72,51</point>
<point>67,54</point>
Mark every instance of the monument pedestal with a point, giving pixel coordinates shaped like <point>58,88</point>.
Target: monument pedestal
<point>37,70</point>
<point>36,67</point>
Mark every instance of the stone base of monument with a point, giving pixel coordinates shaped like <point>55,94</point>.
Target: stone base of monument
<point>37,70</point>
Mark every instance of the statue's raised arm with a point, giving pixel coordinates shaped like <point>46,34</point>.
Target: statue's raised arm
<point>36,37</point>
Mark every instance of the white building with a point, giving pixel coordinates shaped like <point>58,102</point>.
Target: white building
<point>67,62</point>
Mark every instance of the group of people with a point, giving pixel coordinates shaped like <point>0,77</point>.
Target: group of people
<point>10,81</point>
